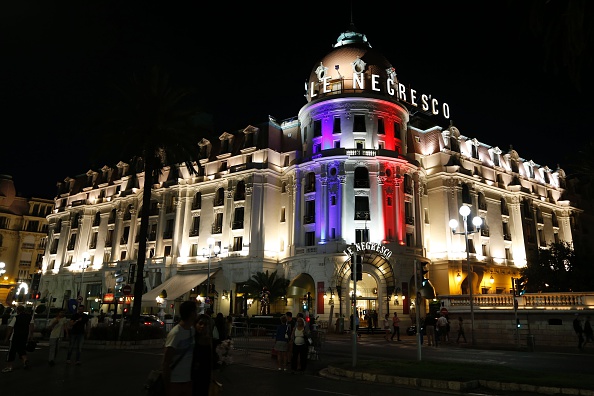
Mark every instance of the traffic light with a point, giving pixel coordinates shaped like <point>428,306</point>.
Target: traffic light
<point>521,285</point>
<point>424,271</point>
<point>426,289</point>
<point>125,311</point>
<point>37,295</point>
<point>518,324</point>
<point>359,267</point>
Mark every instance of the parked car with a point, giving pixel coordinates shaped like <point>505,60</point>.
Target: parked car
<point>146,320</point>
<point>151,320</point>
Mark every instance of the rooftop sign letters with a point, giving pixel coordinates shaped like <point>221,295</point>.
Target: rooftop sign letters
<point>375,247</point>
<point>398,90</point>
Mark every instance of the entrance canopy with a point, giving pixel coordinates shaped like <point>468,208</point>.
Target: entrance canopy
<point>177,285</point>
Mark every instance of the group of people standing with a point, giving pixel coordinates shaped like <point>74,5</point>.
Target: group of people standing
<point>190,351</point>
<point>437,329</point>
<point>292,341</point>
<point>20,331</point>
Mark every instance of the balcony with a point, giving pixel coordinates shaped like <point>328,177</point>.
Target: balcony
<point>410,220</point>
<point>168,234</point>
<point>194,233</point>
<point>507,237</point>
<point>484,232</point>
<point>362,215</point>
<point>237,225</point>
<point>216,229</point>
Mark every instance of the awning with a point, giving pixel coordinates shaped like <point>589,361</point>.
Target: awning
<point>177,285</point>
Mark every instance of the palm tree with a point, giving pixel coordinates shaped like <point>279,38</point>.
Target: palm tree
<point>277,286</point>
<point>154,126</point>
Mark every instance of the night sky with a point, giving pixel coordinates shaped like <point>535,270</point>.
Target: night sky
<point>504,82</point>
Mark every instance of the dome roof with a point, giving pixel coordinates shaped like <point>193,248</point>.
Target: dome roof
<point>351,57</point>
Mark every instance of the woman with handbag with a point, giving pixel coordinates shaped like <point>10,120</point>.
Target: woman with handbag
<point>300,339</point>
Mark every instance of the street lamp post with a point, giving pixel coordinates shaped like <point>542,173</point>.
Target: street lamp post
<point>83,266</point>
<point>2,268</point>
<point>477,222</point>
<point>212,248</point>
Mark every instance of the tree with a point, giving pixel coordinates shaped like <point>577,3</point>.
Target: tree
<point>558,269</point>
<point>155,125</point>
<point>277,286</point>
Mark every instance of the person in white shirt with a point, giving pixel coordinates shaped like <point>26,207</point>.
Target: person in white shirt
<point>58,327</point>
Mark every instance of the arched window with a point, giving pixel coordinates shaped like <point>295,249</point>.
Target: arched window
<point>361,177</point>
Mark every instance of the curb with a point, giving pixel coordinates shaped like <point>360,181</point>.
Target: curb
<point>457,386</point>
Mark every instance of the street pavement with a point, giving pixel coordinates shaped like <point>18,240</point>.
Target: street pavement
<point>124,371</point>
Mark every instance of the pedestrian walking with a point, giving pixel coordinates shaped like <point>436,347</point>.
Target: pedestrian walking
<point>58,327</point>
<point>442,328</point>
<point>396,327</point>
<point>76,329</point>
<point>20,330</point>
<point>430,329</point>
<point>460,330</point>
<point>387,327</point>
<point>577,327</point>
<point>281,343</point>
<point>588,335</point>
<point>179,353</point>
<point>299,339</point>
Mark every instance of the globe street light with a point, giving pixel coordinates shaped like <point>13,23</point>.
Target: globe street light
<point>212,248</point>
<point>477,222</point>
<point>2,268</point>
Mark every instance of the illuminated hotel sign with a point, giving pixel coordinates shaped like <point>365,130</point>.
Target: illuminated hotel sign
<point>375,247</point>
<point>426,102</point>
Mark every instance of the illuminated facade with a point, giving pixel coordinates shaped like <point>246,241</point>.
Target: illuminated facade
<point>23,238</point>
<point>364,168</point>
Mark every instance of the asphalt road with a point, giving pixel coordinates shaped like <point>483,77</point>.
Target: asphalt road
<point>254,370</point>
